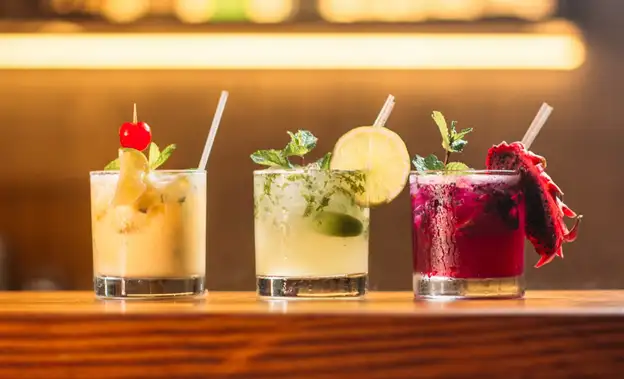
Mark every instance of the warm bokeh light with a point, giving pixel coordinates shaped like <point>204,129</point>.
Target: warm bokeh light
<point>398,10</point>
<point>292,51</point>
<point>230,10</point>
<point>420,10</point>
<point>341,10</point>
<point>269,11</point>
<point>465,10</point>
<point>195,11</point>
<point>124,11</point>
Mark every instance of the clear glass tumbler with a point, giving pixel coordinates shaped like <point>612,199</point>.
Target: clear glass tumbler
<point>155,247</point>
<point>311,235</point>
<point>468,234</point>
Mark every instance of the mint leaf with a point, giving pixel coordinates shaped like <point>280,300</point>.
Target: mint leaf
<point>456,166</point>
<point>444,132</point>
<point>155,160</point>
<point>324,162</point>
<point>419,163</point>
<point>426,164</point>
<point>162,157</point>
<point>271,158</point>
<point>112,165</point>
<point>461,134</point>
<point>154,153</point>
<point>433,163</point>
<point>453,131</point>
<point>452,142</point>
<point>457,143</point>
<point>457,146</point>
<point>300,143</point>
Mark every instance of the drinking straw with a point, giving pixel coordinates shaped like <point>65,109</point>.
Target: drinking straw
<point>380,122</point>
<point>216,120</point>
<point>537,124</point>
<point>384,114</point>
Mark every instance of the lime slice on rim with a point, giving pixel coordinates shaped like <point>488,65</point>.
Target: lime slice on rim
<point>131,185</point>
<point>381,154</point>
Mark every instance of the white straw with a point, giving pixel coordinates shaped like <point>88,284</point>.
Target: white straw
<point>538,122</point>
<point>384,114</point>
<point>381,120</point>
<point>213,130</point>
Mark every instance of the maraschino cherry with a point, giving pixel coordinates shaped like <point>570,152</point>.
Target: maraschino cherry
<point>136,135</point>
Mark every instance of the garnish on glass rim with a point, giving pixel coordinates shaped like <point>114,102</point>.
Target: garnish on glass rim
<point>452,141</point>
<point>137,135</point>
<point>156,158</point>
<point>544,207</point>
<point>301,143</point>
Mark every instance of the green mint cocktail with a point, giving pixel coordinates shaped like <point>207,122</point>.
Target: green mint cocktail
<point>312,221</point>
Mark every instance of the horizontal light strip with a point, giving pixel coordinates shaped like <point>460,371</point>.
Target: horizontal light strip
<point>528,51</point>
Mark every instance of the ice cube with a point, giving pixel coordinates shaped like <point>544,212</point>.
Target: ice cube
<point>176,190</point>
<point>150,199</point>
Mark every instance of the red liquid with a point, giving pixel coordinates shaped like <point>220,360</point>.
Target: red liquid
<point>468,226</point>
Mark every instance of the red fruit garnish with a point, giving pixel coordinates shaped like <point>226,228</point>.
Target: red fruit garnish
<point>136,134</point>
<point>544,209</point>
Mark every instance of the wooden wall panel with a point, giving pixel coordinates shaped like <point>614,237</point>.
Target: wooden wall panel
<point>56,126</point>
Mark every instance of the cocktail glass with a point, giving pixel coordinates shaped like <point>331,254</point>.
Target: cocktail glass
<point>155,247</point>
<point>468,235</point>
<point>311,235</point>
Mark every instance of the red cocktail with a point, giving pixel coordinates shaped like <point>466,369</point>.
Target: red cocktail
<point>468,234</point>
<point>470,225</point>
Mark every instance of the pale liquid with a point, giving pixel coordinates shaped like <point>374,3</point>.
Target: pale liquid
<point>166,240</point>
<point>286,242</point>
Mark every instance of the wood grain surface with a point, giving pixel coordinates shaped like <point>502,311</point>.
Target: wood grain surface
<point>388,335</point>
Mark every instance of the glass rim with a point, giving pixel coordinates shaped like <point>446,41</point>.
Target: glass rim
<point>175,171</point>
<point>301,170</point>
<point>466,172</point>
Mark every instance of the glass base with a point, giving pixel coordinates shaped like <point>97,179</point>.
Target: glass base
<point>313,287</point>
<point>443,287</point>
<point>110,287</point>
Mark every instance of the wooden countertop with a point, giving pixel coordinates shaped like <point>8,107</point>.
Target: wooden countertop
<point>555,334</point>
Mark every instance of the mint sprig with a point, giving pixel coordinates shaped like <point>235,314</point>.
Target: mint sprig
<point>456,139</point>
<point>271,158</point>
<point>112,165</point>
<point>160,157</point>
<point>452,141</point>
<point>156,158</point>
<point>456,166</point>
<point>444,132</point>
<point>154,153</point>
<point>324,162</point>
<point>429,163</point>
<point>301,143</point>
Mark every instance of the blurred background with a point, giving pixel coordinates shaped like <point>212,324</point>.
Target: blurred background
<point>70,71</point>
